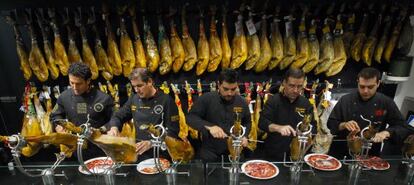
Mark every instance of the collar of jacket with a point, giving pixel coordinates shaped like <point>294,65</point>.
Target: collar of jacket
<point>87,94</point>
<point>359,98</point>
<point>285,98</point>
<point>156,95</point>
<point>222,100</point>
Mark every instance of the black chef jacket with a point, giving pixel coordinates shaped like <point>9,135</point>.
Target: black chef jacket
<point>209,110</point>
<point>153,110</point>
<point>279,110</point>
<point>148,111</point>
<point>76,108</point>
<point>380,109</point>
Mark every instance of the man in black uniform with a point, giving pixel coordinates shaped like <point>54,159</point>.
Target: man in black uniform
<point>147,106</point>
<point>372,105</point>
<point>81,100</point>
<point>280,115</point>
<point>214,113</point>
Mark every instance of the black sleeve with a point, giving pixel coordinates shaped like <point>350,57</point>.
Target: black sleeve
<point>395,120</point>
<point>109,110</point>
<point>195,118</point>
<point>247,120</point>
<point>336,117</point>
<point>123,115</point>
<point>267,115</point>
<point>171,118</point>
<point>58,112</point>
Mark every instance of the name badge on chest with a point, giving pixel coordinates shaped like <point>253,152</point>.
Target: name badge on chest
<point>81,108</point>
<point>300,110</point>
<point>237,109</point>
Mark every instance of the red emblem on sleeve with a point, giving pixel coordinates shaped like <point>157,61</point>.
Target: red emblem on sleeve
<point>379,112</point>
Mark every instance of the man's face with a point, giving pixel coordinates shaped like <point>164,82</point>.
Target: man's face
<point>293,87</point>
<point>367,87</point>
<point>143,89</point>
<point>228,90</point>
<point>78,85</point>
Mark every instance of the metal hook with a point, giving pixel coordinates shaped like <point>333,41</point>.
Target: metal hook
<point>79,9</point>
<point>171,12</point>
<point>10,19</point>
<point>121,9</point>
<point>40,16</point>
<point>28,15</point>
<point>213,9</point>
<point>78,17</point>
<point>51,12</point>
<point>41,20</point>
<point>92,17</point>
<point>201,11</point>
<point>65,15</point>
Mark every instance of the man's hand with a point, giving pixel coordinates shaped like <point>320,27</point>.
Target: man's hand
<point>216,132</point>
<point>381,136</point>
<point>142,146</point>
<point>284,130</point>
<point>244,142</point>
<point>351,126</point>
<point>60,129</point>
<point>113,131</point>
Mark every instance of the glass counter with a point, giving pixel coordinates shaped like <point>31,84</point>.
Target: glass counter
<point>396,174</point>
<point>211,174</point>
<point>126,174</point>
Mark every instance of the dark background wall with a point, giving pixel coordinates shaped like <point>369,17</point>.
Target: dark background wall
<point>12,83</point>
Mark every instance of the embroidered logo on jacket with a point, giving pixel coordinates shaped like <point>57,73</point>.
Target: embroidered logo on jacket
<point>98,107</point>
<point>380,112</point>
<point>158,109</point>
<point>133,108</point>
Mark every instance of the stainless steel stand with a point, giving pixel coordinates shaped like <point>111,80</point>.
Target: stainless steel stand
<point>109,173</point>
<point>409,177</point>
<point>296,168</point>
<point>355,168</point>
<point>157,144</point>
<point>171,175</point>
<point>234,169</point>
<point>16,143</point>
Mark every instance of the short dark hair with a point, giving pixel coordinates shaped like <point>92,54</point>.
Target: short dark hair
<point>140,73</point>
<point>228,75</point>
<point>369,72</point>
<point>294,73</point>
<point>80,70</point>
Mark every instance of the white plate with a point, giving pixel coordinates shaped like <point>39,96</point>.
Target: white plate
<point>97,169</point>
<point>243,168</point>
<point>150,163</point>
<point>326,158</point>
<point>382,169</point>
<point>374,158</point>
